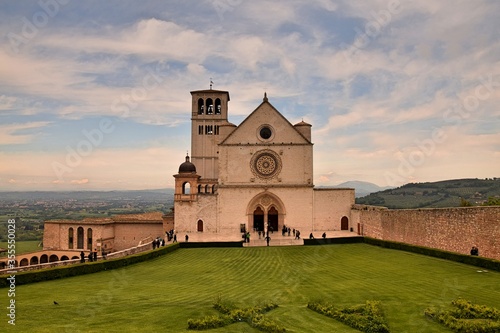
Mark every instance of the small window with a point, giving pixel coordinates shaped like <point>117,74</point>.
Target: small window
<point>265,133</point>
<point>70,238</point>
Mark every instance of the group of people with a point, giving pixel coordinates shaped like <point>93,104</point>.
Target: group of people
<point>311,236</point>
<point>158,242</point>
<point>92,256</point>
<point>171,235</point>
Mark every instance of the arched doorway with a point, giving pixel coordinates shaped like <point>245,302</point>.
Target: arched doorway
<point>258,219</point>
<point>34,260</point>
<point>24,262</point>
<point>44,259</point>
<point>272,219</point>
<point>266,212</point>
<point>344,223</point>
<point>200,226</point>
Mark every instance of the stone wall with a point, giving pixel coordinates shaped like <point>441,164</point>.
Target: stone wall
<point>330,205</point>
<point>450,229</point>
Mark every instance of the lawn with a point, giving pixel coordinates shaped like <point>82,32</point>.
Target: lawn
<point>162,294</point>
<point>22,247</point>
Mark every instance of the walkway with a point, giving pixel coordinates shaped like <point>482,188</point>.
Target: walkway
<point>276,238</point>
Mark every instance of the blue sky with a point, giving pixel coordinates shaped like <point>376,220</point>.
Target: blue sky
<point>95,95</point>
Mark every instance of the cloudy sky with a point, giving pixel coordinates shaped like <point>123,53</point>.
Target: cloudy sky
<point>95,94</point>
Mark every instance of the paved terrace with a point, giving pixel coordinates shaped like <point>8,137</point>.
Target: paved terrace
<point>276,238</point>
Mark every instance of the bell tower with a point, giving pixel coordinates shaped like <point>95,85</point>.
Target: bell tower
<point>209,112</point>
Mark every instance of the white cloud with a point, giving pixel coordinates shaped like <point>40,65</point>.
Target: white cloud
<point>11,133</point>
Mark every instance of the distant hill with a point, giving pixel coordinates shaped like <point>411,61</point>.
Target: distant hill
<point>362,188</point>
<point>447,193</point>
<point>88,195</point>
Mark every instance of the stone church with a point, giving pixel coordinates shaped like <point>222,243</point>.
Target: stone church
<point>256,176</point>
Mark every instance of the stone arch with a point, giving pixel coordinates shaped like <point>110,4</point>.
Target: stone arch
<point>24,262</point>
<point>201,106</point>
<point>34,260</point>
<point>209,106</point>
<point>44,259</point>
<point>53,258</point>
<point>186,188</point>
<point>217,106</point>
<point>268,202</point>
<point>75,257</point>
<point>344,223</point>
<point>64,258</point>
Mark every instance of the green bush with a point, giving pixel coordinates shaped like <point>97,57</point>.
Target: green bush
<point>486,263</point>
<point>253,316</point>
<point>467,317</point>
<point>86,268</point>
<point>367,318</point>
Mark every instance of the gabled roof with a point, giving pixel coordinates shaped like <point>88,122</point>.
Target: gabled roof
<point>254,112</point>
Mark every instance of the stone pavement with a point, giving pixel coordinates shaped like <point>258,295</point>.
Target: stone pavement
<point>276,238</point>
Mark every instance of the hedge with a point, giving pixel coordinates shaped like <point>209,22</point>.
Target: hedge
<point>86,268</point>
<point>338,240</point>
<point>482,262</point>
<point>191,245</point>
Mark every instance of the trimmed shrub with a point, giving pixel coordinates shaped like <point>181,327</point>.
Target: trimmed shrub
<point>467,317</point>
<point>253,316</point>
<point>368,317</point>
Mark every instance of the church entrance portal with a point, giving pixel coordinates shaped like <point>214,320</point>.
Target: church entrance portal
<point>258,219</point>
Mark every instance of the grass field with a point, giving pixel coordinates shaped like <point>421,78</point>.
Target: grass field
<point>162,294</point>
<point>23,247</point>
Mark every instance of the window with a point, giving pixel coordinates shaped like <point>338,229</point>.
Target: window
<point>265,133</point>
<point>89,239</point>
<point>70,238</point>
<point>186,188</point>
<point>217,106</point>
<point>210,106</point>
<point>79,236</point>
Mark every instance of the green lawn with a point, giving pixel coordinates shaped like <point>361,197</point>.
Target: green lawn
<point>22,247</point>
<point>162,294</point>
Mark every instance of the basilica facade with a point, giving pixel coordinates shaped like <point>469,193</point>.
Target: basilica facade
<point>257,176</point>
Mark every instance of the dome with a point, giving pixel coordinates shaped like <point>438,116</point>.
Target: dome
<point>187,167</point>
